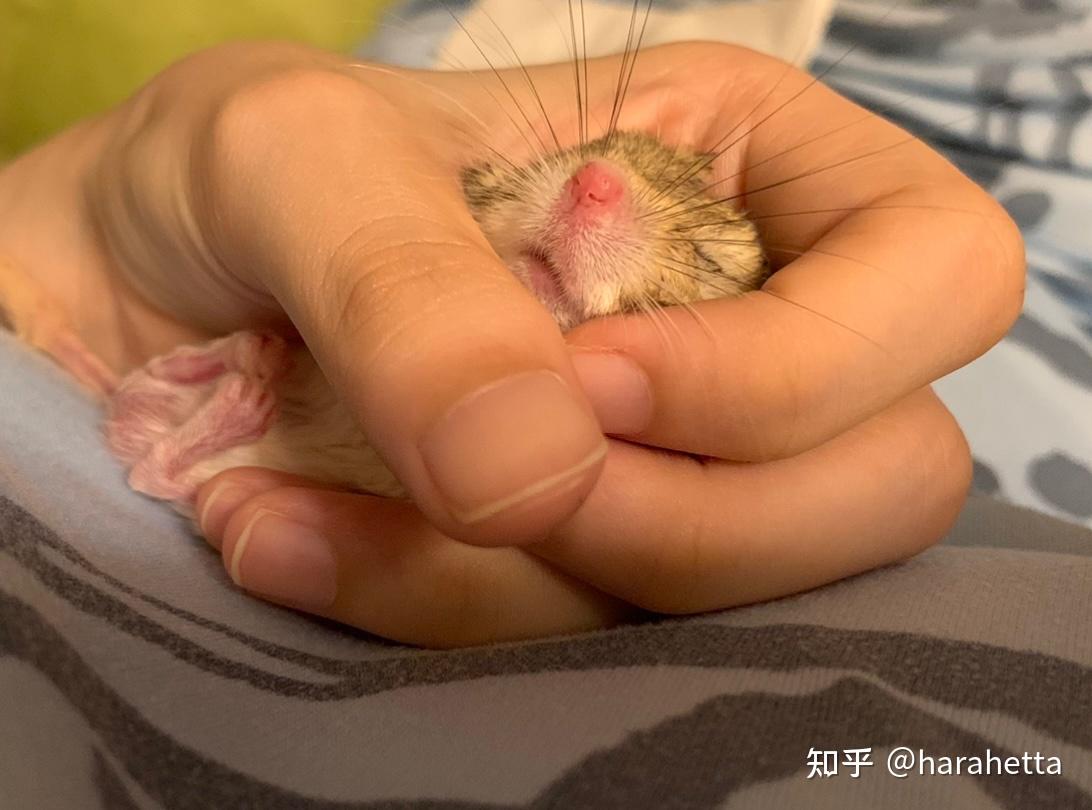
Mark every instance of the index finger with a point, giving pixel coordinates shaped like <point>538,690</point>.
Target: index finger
<point>893,270</point>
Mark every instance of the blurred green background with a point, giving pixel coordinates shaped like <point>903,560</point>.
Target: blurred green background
<point>61,60</point>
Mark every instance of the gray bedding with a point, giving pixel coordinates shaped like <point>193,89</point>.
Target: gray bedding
<point>121,687</point>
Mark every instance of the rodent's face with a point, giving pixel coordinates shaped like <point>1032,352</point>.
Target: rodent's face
<point>607,228</point>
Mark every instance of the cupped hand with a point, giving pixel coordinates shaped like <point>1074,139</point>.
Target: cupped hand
<point>764,445</point>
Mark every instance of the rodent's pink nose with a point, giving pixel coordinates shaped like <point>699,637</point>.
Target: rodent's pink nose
<point>596,183</point>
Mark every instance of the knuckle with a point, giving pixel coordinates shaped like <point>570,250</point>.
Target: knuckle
<point>266,104</point>
<point>1009,265</point>
<point>951,459</point>
<point>780,402</point>
<point>991,253</point>
<point>689,572</point>
<point>276,112</point>
<point>460,611</point>
<point>945,471</point>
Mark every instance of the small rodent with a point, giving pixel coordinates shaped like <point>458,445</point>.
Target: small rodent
<point>620,224</point>
<point>583,228</point>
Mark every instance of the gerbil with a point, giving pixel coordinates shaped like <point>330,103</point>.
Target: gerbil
<point>582,228</point>
<point>620,224</point>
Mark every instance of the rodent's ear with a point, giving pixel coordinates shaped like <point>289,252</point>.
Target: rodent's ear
<point>482,184</point>
<point>481,175</point>
<point>475,183</point>
<point>470,174</point>
<point>706,164</point>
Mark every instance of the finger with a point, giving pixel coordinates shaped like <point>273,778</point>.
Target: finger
<point>672,534</point>
<point>225,493</point>
<point>377,564</point>
<point>458,376</point>
<point>894,270</point>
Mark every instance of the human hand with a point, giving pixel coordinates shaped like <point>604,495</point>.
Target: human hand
<point>281,187</point>
<point>908,271</point>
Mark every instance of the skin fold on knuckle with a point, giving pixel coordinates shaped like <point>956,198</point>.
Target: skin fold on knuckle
<point>984,259</point>
<point>461,611</point>
<point>947,472</point>
<point>260,111</point>
<point>926,461</point>
<point>688,570</point>
<point>1006,268</point>
<point>777,401</point>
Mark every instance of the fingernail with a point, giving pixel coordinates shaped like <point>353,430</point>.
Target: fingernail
<point>618,389</point>
<point>217,510</point>
<point>510,441</point>
<point>285,561</point>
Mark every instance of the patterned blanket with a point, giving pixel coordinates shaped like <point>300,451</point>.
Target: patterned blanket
<point>134,675</point>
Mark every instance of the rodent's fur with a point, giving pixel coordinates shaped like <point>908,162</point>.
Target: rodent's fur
<point>682,245</point>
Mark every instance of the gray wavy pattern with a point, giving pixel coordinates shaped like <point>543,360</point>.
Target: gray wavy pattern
<point>698,758</point>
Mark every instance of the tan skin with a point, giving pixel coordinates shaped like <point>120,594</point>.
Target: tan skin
<point>268,184</point>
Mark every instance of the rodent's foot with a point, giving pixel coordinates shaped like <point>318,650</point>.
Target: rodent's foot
<point>186,406</point>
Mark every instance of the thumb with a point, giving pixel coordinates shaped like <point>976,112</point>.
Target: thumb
<point>460,379</point>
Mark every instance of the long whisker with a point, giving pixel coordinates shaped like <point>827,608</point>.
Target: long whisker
<point>527,76</point>
<point>697,164</point>
<point>730,293</point>
<point>458,65</point>
<point>692,240</point>
<point>497,73</point>
<point>454,63</point>
<point>827,318</point>
<point>739,265</point>
<point>587,87</point>
<point>668,320</point>
<point>648,307</point>
<point>786,181</point>
<point>580,123</point>
<point>678,300</point>
<point>798,251</point>
<point>622,66</point>
<point>447,96</point>
<point>719,150</point>
<point>621,100</point>
<point>752,166</point>
<point>852,208</point>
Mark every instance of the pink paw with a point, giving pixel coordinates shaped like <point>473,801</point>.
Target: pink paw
<point>188,405</point>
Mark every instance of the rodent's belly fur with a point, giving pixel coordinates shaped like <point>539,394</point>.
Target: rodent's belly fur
<point>314,435</point>
<point>245,400</point>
